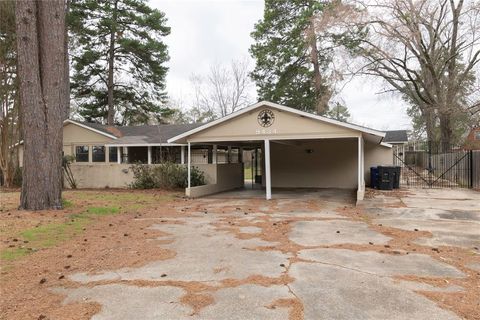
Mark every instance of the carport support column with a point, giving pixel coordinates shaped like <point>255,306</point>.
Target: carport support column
<point>214,154</point>
<point>149,155</point>
<point>189,164</point>
<point>361,178</point>
<point>268,178</point>
<point>119,155</point>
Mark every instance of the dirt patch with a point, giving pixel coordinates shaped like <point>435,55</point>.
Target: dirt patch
<point>294,305</point>
<point>109,242</point>
<point>197,301</point>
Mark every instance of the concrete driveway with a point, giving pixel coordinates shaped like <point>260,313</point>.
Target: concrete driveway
<point>313,256</point>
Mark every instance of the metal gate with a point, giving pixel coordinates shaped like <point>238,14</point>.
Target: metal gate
<point>435,165</point>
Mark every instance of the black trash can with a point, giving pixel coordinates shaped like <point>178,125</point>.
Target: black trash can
<point>396,177</point>
<point>385,177</point>
<point>373,177</point>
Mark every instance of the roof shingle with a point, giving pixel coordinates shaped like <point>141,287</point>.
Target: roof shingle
<point>396,136</point>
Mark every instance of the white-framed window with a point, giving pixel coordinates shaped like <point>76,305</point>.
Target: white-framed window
<point>112,154</point>
<point>98,154</point>
<point>477,135</point>
<point>81,153</point>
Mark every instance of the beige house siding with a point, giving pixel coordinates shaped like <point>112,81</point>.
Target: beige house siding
<point>228,176</point>
<point>376,155</point>
<point>102,176</point>
<point>332,163</point>
<point>74,135</point>
<point>285,126</point>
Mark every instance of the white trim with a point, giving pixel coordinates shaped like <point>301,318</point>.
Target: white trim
<point>88,128</point>
<point>145,144</point>
<point>214,154</point>
<point>189,164</point>
<point>361,172</point>
<point>276,137</point>
<point>268,176</point>
<point>279,107</point>
<point>385,144</point>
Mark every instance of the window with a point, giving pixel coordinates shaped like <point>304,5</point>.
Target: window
<point>98,154</point>
<point>81,153</point>
<point>477,135</point>
<point>112,154</point>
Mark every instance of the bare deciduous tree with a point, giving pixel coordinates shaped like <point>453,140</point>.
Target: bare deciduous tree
<point>224,89</point>
<point>40,27</point>
<point>429,51</point>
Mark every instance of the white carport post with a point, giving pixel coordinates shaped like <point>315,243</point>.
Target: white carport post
<point>268,180</point>
<point>119,155</point>
<point>361,178</point>
<point>149,155</point>
<point>214,154</point>
<point>189,163</point>
<point>182,155</point>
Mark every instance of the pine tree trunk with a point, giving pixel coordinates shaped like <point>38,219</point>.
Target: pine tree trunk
<point>40,32</point>
<point>111,62</point>
<point>322,96</point>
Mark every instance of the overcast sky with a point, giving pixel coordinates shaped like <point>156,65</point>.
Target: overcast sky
<point>205,32</point>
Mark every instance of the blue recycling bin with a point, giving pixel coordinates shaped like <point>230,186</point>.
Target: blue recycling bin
<point>374,177</point>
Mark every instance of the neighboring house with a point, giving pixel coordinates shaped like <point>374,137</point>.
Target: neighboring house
<point>472,141</point>
<point>295,150</point>
<point>396,137</point>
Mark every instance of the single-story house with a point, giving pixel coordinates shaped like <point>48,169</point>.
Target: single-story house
<point>472,140</point>
<point>396,137</point>
<point>294,149</point>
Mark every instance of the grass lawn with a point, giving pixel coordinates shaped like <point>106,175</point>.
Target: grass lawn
<point>24,232</point>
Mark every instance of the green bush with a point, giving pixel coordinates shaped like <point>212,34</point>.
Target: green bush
<point>167,175</point>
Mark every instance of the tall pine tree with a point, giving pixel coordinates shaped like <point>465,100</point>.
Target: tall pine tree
<point>294,48</point>
<point>118,58</point>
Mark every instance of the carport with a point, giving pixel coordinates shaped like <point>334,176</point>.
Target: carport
<point>300,150</point>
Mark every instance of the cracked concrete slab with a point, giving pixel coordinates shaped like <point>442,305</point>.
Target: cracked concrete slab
<point>124,302</point>
<point>445,232</point>
<point>330,292</point>
<point>474,266</point>
<point>382,264</point>
<point>250,230</point>
<point>247,302</point>
<point>336,284</point>
<point>454,204</point>
<point>422,214</point>
<point>324,214</point>
<point>328,232</point>
<point>419,286</point>
<point>202,254</point>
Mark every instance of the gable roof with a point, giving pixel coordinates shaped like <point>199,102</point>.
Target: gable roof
<point>151,134</point>
<point>396,136</point>
<point>279,107</point>
<point>98,128</point>
<point>137,135</point>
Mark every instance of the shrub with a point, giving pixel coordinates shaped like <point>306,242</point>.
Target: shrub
<point>167,175</point>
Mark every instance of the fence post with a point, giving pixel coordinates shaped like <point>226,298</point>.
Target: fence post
<point>430,169</point>
<point>471,168</point>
